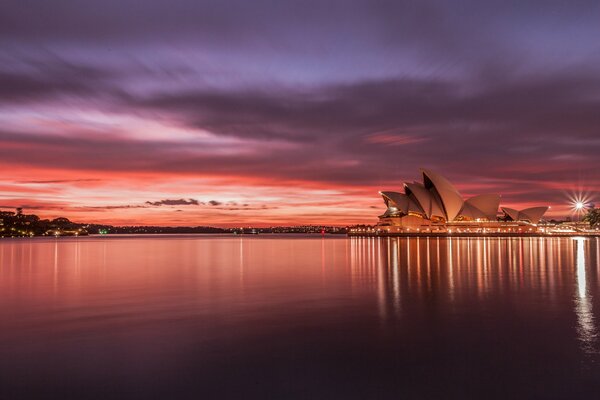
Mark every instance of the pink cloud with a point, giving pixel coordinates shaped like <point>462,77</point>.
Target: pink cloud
<point>394,139</point>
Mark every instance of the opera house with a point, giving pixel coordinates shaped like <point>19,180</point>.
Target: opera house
<point>436,206</point>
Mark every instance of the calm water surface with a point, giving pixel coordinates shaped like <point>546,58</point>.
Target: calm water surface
<point>209,317</point>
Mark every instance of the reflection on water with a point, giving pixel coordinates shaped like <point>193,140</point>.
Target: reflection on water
<point>583,301</point>
<point>412,269</point>
<point>285,316</point>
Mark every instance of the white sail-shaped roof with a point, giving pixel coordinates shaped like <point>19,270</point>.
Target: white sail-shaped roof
<point>402,202</point>
<point>452,201</point>
<point>425,198</point>
<point>421,195</point>
<point>471,212</point>
<point>533,214</point>
<point>511,212</point>
<point>485,205</point>
<point>437,197</point>
<point>395,199</point>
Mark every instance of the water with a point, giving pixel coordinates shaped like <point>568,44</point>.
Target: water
<point>298,317</point>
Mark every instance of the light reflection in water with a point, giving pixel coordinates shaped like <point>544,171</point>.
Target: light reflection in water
<point>581,268</point>
<point>524,299</point>
<point>396,274</point>
<point>585,317</point>
<point>450,271</point>
<point>379,308</point>
<point>409,270</point>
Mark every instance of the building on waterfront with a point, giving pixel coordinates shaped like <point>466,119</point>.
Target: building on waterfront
<point>437,206</point>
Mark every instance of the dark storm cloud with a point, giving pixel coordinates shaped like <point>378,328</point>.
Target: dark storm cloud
<point>543,119</point>
<point>174,202</point>
<point>48,78</point>
<point>439,22</point>
<point>113,207</point>
<point>214,20</point>
<point>312,41</point>
<point>37,206</point>
<point>306,114</point>
<point>214,204</point>
<point>485,128</point>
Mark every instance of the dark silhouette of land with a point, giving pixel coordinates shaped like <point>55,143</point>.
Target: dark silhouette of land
<point>17,224</point>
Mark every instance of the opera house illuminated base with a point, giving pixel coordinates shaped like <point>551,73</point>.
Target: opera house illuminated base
<point>436,206</point>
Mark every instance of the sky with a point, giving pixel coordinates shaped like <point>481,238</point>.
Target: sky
<point>237,113</point>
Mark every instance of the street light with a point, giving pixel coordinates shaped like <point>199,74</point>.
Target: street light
<point>579,206</point>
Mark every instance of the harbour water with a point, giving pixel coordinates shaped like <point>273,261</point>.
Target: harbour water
<point>287,316</point>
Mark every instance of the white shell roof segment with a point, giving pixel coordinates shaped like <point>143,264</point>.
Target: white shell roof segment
<point>452,201</point>
<point>512,213</point>
<point>532,214</point>
<point>437,197</point>
<point>398,200</point>
<point>422,196</point>
<point>402,202</point>
<point>486,203</point>
<point>472,212</point>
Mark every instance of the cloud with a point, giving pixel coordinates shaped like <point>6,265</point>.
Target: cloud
<point>51,77</point>
<point>174,202</point>
<point>214,203</point>
<point>331,123</point>
<point>112,207</point>
<point>52,181</point>
<point>393,139</point>
<point>340,132</point>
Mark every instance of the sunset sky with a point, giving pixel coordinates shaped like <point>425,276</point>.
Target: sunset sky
<point>258,112</point>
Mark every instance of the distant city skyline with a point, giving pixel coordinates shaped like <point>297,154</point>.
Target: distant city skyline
<point>291,113</point>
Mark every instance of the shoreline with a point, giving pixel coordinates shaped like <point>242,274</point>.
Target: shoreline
<point>318,235</point>
<point>473,234</point>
